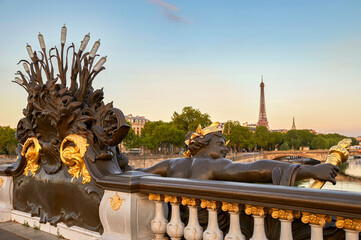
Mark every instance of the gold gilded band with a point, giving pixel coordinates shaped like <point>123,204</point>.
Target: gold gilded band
<point>73,154</point>
<point>31,151</point>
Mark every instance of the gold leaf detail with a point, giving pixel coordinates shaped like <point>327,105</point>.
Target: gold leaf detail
<point>352,224</point>
<point>284,214</point>
<point>31,151</point>
<point>155,197</point>
<point>171,199</point>
<point>115,202</point>
<point>1,181</point>
<point>230,207</point>
<point>259,211</point>
<point>209,204</point>
<point>190,201</point>
<point>317,219</point>
<point>73,154</point>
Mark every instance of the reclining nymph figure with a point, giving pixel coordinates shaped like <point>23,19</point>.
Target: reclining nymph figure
<point>205,160</point>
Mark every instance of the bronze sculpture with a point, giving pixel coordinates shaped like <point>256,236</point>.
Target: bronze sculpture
<point>207,148</point>
<point>205,160</point>
<point>68,135</point>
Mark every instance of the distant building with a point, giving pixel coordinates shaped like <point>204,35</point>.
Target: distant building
<point>252,126</point>
<point>137,123</point>
<point>358,139</point>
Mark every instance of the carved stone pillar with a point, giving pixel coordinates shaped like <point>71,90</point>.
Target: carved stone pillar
<point>193,230</point>
<point>159,223</point>
<point>316,221</point>
<point>212,232</point>
<point>6,198</point>
<point>234,232</point>
<point>258,214</point>
<point>352,227</point>
<point>286,218</point>
<point>175,226</point>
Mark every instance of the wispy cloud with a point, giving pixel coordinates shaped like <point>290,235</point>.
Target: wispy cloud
<point>170,11</point>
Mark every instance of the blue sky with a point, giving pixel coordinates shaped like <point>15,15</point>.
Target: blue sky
<point>164,55</point>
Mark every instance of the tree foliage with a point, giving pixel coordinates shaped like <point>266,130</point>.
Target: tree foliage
<point>240,137</point>
<point>8,141</point>
<point>189,119</point>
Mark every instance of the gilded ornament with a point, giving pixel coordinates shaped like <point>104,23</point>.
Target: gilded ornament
<point>209,204</point>
<point>316,219</point>
<point>73,154</point>
<point>190,201</point>
<point>1,181</point>
<point>31,151</point>
<point>155,197</point>
<point>284,214</point>
<point>259,211</point>
<point>352,224</point>
<point>115,202</point>
<point>230,207</point>
<point>171,199</point>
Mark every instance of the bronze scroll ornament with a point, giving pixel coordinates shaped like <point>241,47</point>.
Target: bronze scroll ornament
<point>31,151</point>
<point>73,154</point>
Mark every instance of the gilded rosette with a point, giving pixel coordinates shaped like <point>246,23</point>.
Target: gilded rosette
<point>190,202</point>
<point>172,199</point>
<point>284,214</point>
<point>73,154</point>
<point>31,153</point>
<point>209,204</point>
<point>259,211</point>
<point>155,197</point>
<point>352,224</point>
<point>115,202</point>
<point>316,219</point>
<point>231,207</point>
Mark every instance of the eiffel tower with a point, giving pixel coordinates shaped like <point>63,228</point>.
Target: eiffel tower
<point>262,119</point>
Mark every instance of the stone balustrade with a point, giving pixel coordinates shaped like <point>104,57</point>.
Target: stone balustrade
<point>136,205</point>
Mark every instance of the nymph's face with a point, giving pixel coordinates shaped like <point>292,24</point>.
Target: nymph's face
<point>217,148</point>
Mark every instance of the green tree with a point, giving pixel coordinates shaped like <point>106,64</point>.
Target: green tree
<point>162,135</point>
<point>284,146</point>
<point>132,140</point>
<point>8,141</point>
<point>275,139</point>
<point>240,137</point>
<point>319,142</point>
<point>189,119</point>
<point>262,137</point>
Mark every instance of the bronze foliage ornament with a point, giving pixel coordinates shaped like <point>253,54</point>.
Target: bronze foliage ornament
<point>69,135</point>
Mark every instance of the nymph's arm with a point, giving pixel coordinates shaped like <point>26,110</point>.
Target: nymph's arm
<point>160,168</point>
<point>261,171</point>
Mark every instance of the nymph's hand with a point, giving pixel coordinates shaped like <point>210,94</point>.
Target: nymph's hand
<point>325,172</point>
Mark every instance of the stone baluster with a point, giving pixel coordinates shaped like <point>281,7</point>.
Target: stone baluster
<point>286,217</point>
<point>212,232</point>
<point>317,222</point>
<point>234,232</point>
<point>175,227</point>
<point>352,227</point>
<point>258,214</point>
<point>159,223</point>
<point>193,231</point>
